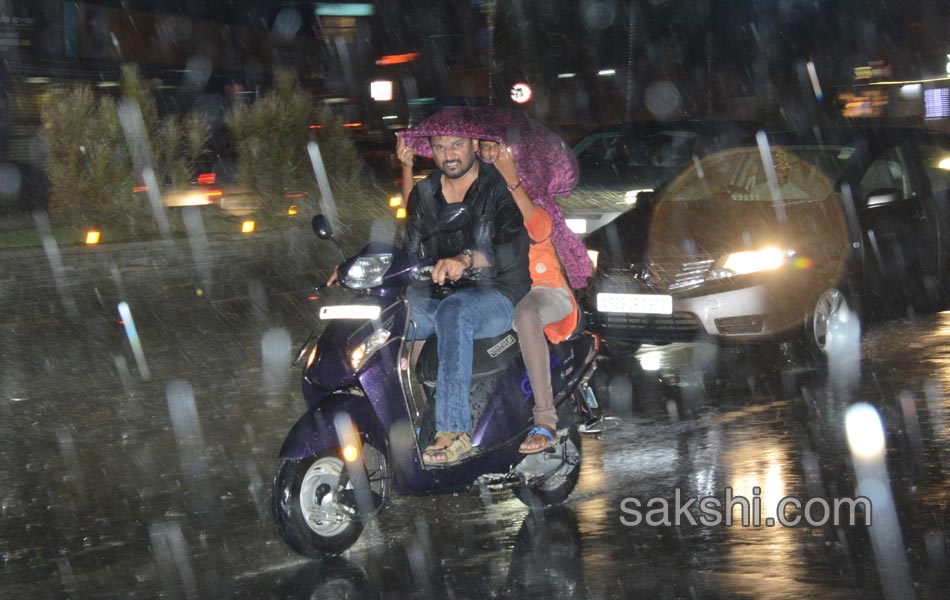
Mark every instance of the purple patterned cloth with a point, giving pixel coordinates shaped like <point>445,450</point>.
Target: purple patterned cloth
<point>544,161</point>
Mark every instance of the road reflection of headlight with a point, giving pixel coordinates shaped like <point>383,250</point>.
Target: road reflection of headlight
<point>650,361</point>
<point>865,432</point>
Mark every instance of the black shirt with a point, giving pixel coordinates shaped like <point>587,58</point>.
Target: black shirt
<point>496,229</point>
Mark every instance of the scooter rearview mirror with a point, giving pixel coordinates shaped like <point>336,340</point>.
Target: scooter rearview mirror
<point>321,226</point>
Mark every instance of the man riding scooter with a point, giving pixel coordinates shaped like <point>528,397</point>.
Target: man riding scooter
<point>495,243</point>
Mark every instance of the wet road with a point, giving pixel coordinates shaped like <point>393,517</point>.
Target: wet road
<point>117,484</point>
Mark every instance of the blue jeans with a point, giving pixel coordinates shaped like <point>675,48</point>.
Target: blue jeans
<point>467,315</point>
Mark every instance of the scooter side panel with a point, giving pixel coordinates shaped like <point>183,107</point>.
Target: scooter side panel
<point>508,412</point>
<point>315,432</point>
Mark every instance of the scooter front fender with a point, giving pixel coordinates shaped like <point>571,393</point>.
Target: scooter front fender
<point>315,432</point>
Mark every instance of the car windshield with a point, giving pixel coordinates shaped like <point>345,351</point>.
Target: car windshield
<point>794,174</point>
<point>662,149</point>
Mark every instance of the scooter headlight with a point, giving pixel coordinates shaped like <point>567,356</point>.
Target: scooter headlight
<point>365,350</point>
<point>367,271</point>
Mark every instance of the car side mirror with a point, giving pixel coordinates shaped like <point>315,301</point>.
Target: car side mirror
<point>883,197</point>
<point>321,226</point>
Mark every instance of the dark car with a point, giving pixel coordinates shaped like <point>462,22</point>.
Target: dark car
<point>617,163</point>
<point>779,240</point>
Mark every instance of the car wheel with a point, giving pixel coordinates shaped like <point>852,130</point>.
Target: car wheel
<point>827,322</point>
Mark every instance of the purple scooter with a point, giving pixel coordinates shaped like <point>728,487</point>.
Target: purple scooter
<point>370,415</point>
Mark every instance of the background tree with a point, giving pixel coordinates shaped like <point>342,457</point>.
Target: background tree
<point>270,138</point>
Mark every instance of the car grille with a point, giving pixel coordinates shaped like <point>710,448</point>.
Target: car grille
<point>740,325</point>
<point>674,325</point>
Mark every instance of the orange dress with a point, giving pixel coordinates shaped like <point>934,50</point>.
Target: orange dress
<point>546,270</point>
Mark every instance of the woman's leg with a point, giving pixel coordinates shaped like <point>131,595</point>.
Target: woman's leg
<point>539,307</point>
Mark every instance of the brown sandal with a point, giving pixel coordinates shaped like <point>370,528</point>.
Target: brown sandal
<point>457,448</point>
<point>536,434</point>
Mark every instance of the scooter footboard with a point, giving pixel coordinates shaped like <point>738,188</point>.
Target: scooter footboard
<point>315,432</point>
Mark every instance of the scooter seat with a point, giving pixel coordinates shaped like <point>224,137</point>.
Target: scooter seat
<point>489,355</point>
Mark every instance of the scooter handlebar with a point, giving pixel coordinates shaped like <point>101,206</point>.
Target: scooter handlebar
<point>424,274</point>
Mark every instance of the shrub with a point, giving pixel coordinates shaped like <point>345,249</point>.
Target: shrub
<point>89,164</point>
<point>271,135</point>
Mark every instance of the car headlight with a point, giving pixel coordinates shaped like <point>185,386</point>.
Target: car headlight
<point>365,350</point>
<point>753,261</point>
<point>367,271</point>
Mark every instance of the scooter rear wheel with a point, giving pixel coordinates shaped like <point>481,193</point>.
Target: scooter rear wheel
<point>555,489</point>
<point>308,501</point>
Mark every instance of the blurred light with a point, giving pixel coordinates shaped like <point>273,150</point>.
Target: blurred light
<point>292,210</point>
<point>390,117</point>
<point>948,63</point>
<point>395,201</point>
<point>937,103</point>
<point>521,92</point>
<point>396,59</point>
<point>295,195</point>
<point>381,91</point>
<point>911,90</point>
<point>607,72</point>
<point>316,127</point>
<point>312,357</point>
<point>802,263</point>
<point>247,227</point>
<point>577,225</point>
<point>742,263</point>
<point>38,80</point>
<point>356,124</point>
<point>206,178</point>
<point>140,188</point>
<point>813,75</point>
<point>592,255</point>
<point>350,9</point>
<point>350,453</point>
<point>944,164</point>
<point>92,237</point>
<point>865,431</point>
<point>107,84</point>
<point>213,194</point>
<point>421,101</point>
<point>566,75</point>
<point>400,213</point>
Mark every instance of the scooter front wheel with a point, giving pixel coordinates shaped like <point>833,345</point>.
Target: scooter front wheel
<point>555,488</point>
<point>316,505</point>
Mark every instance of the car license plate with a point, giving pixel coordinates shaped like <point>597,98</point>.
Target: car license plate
<point>648,304</point>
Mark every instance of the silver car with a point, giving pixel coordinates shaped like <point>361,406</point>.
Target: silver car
<point>778,240</point>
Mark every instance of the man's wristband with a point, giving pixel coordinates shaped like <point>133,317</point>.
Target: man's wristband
<point>471,257</point>
<point>514,186</point>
